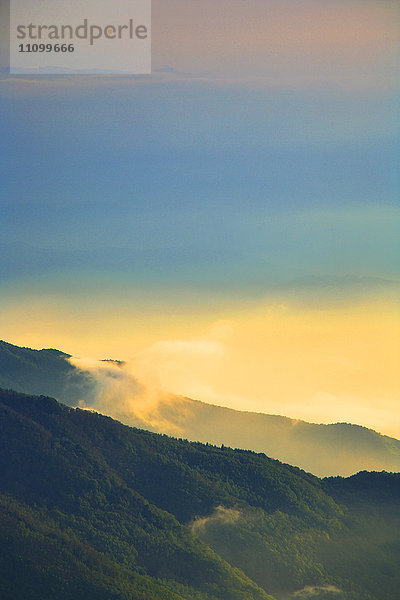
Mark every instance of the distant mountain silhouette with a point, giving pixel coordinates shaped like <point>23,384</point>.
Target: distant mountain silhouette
<point>325,450</point>
<point>335,449</point>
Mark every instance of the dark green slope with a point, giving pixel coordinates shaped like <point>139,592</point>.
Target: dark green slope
<point>90,504</point>
<point>45,372</point>
<point>370,544</point>
<point>50,464</point>
<point>38,560</point>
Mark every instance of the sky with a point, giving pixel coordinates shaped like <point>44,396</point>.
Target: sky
<point>229,223</point>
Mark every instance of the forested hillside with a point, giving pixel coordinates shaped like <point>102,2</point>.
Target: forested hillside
<point>92,508</point>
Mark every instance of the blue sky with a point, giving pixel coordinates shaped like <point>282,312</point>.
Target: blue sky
<point>213,181</point>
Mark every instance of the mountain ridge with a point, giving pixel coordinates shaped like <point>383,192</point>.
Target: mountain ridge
<point>325,450</point>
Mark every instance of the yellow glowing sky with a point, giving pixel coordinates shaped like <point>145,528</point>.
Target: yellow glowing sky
<point>318,364</point>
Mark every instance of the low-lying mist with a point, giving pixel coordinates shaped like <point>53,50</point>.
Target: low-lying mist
<point>258,543</point>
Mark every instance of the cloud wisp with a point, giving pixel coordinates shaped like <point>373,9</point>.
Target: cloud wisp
<point>316,591</point>
<point>120,395</point>
<point>221,516</point>
<point>137,392</point>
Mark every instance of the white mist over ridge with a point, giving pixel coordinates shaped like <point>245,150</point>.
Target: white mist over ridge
<point>120,395</point>
<point>132,393</point>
